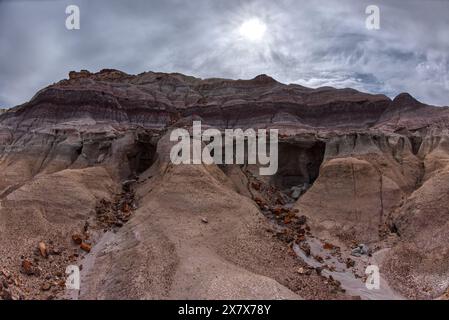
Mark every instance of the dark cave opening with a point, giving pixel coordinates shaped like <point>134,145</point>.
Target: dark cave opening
<point>416,142</point>
<point>299,166</point>
<point>142,155</point>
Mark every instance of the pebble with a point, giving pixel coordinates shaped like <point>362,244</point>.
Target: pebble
<point>43,249</point>
<point>77,239</point>
<point>85,246</point>
<point>27,267</point>
<point>46,286</point>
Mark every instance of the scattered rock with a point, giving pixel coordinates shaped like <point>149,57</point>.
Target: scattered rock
<point>360,250</point>
<point>56,251</point>
<point>126,208</point>
<point>285,210</point>
<point>127,183</point>
<point>285,236</point>
<point>297,191</point>
<point>204,220</point>
<point>6,294</point>
<point>27,267</point>
<point>328,246</point>
<point>350,263</point>
<point>260,202</point>
<point>256,186</point>
<point>300,270</point>
<point>304,246</point>
<point>46,286</point>
<point>43,249</point>
<point>77,239</point>
<point>86,226</point>
<point>300,238</point>
<point>302,220</point>
<point>6,274</point>
<point>85,246</point>
<point>101,158</point>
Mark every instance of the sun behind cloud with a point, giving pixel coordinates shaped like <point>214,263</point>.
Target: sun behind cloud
<point>253,29</point>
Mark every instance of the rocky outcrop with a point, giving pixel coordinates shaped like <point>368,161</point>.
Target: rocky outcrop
<point>360,168</point>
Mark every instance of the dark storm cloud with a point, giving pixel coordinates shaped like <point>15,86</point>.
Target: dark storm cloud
<point>313,43</point>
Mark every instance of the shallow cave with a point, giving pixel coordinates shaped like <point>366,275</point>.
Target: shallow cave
<point>416,142</point>
<point>142,156</point>
<point>299,165</point>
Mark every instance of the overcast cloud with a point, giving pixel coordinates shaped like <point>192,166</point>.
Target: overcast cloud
<point>312,43</point>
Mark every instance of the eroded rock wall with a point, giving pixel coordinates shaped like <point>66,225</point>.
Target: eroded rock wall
<point>368,170</point>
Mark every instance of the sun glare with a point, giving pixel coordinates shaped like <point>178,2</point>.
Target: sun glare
<point>253,29</point>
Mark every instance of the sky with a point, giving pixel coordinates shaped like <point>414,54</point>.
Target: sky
<point>312,43</point>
